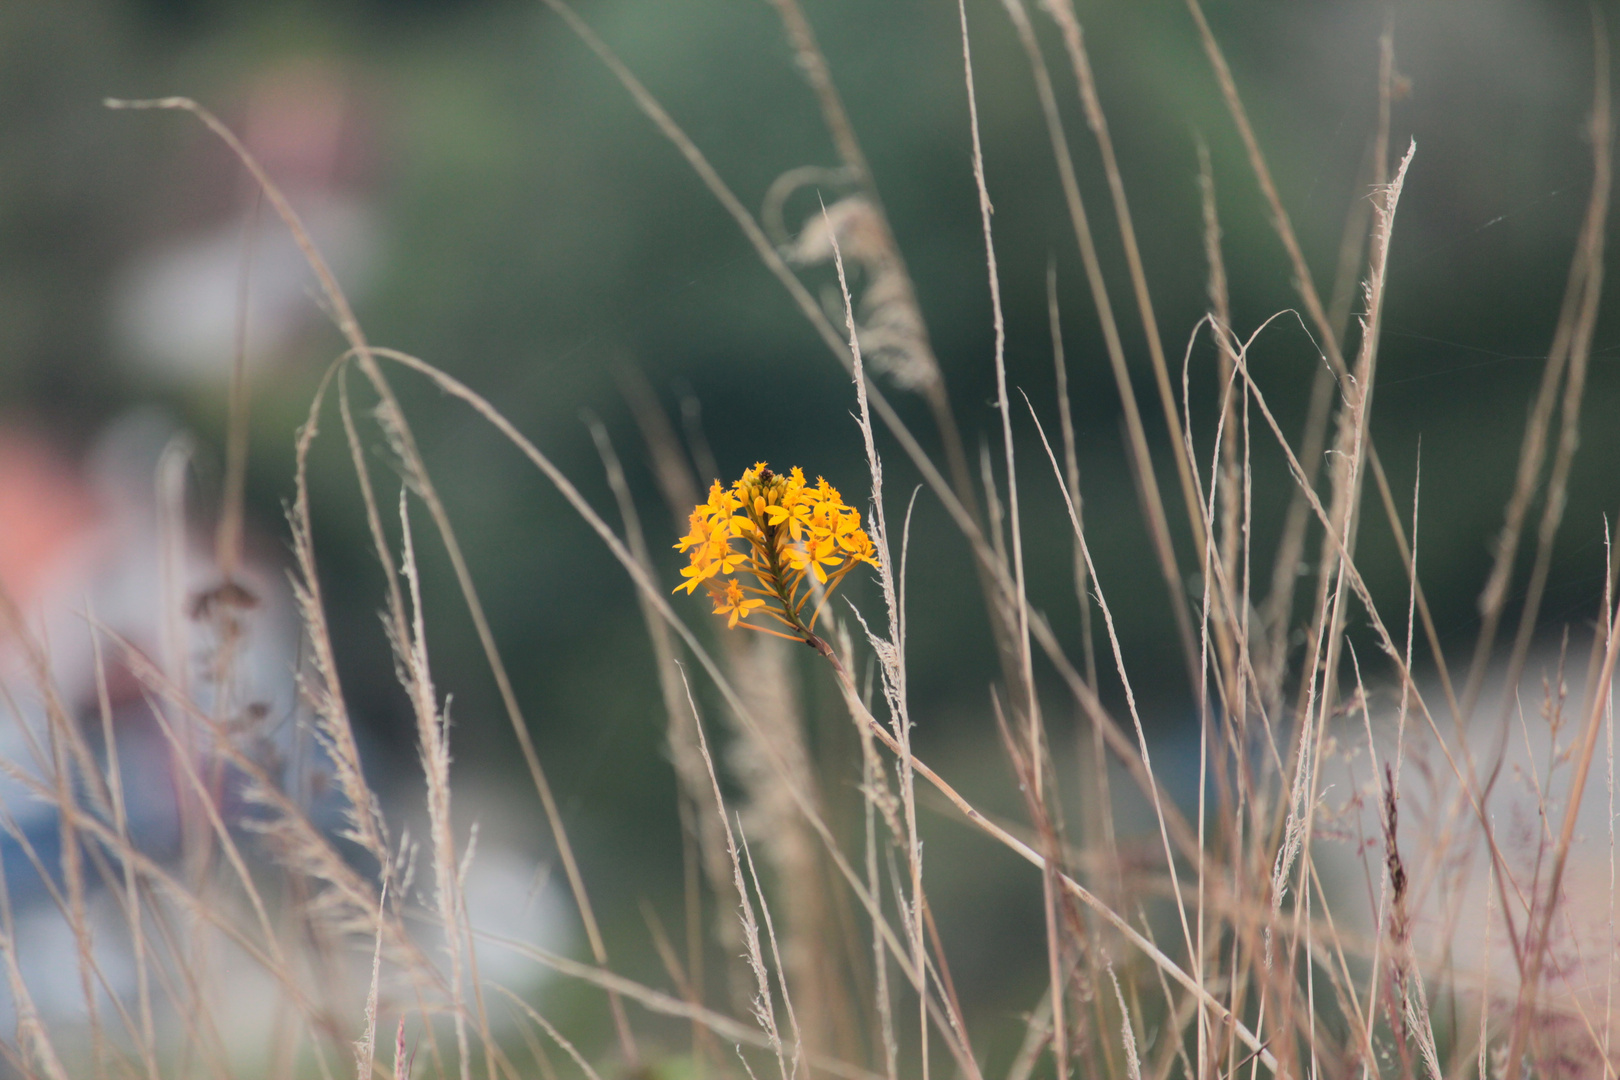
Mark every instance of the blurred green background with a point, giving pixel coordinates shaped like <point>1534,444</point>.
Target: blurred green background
<point>509,215</point>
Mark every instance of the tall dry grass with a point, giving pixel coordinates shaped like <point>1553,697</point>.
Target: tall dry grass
<point>1267,964</point>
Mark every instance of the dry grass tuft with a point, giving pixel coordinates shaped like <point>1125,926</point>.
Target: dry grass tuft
<point>1269,962</point>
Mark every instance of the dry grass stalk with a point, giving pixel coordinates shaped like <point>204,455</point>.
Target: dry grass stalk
<point>1033,752</point>
<point>890,651</point>
<point>678,484</point>
<point>1152,502</point>
<point>768,682</point>
<point>1133,1064</point>
<point>764,1006</point>
<point>556,1036</point>
<point>891,331</point>
<point>763,671</point>
<point>1570,349</point>
<point>1062,13</point>
<point>1263,932</point>
<point>403,442</point>
<point>1589,256</point>
<point>1539,938</point>
<point>889,300</point>
<point>433,744</point>
<point>365,1050</point>
<point>958,508</point>
<point>1347,480</point>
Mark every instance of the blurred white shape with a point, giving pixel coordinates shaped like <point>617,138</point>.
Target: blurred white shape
<point>507,897</point>
<point>1442,847</point>
<point>178,307</point>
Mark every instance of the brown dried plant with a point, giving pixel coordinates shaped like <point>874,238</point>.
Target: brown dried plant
<point>1254,957</point>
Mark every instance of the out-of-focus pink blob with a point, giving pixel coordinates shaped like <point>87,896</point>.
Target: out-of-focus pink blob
<point>48,516</point>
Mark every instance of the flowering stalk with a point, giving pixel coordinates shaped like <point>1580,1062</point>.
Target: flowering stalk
<point>791,531</point>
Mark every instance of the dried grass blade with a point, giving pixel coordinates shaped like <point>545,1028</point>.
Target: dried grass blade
<point>365,1050</point>
<point>1062,12</point>
<point>1152,501</point>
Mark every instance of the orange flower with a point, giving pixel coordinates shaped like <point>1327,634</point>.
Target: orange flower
<point>732,602</point>
<point>783,531</point>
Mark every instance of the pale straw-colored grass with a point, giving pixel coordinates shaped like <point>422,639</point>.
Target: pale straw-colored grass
<point>1265,962</point>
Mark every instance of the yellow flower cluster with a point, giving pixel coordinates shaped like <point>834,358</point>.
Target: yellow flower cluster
<point>791,530</point>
